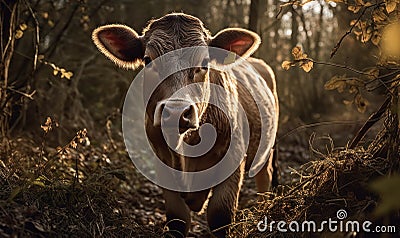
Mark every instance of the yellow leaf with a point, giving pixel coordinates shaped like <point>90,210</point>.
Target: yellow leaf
<point>48,121</point>
<point>23,27</point>
<point>39,183</point>
<point>361,103</point>
<point>366,37</point>
<point>390,6</point>
<point>45,128</point>
<point>307,66</point>
<point>357,33</point>
<point>68,75</point>
<point>18,34</point>
<point>360,3</point>
<point>353,89</point>
<point>55,72</point>
<point>376,38</point>
<point>368,4</point>
<point>341,86</point>
<point>40,57</point>
<point>50,23</point>
<point>354,9</point>
<point>45,15</point>
<point>47,125</point>
<point>73,144</point>
<point>335,82</point>
<point>378,15</point>
<point>353,22</point>
<point>53,66</point>
<point>87,141</point>
<point>297,52</point>
<point>62,71</point>
<point>286,65</point>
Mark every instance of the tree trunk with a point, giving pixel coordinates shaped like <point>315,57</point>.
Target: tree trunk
<point>253,15</point>
<point>8,20</point>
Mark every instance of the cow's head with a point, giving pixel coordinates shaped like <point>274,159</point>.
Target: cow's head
<point>126,48</point>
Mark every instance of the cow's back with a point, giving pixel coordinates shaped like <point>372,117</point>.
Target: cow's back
<point>250,86</point>
<point>266,73</point>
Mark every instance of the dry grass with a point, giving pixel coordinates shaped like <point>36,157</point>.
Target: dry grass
<point>340,180</point>
<point>43,194</point>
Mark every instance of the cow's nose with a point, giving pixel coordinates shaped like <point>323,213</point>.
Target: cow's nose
<point>172,113</point>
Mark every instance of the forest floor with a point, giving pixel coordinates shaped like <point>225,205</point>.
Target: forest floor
<point>90,191</point>
<point>84,189</point>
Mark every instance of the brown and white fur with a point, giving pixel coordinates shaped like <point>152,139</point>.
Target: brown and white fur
<point>127,49</point>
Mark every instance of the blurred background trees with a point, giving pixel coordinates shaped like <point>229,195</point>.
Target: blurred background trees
<point>51,68</point>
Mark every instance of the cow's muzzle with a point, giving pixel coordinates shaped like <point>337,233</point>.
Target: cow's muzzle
<point>178,113</point>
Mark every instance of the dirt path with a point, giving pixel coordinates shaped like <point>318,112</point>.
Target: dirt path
<point>149,210</point>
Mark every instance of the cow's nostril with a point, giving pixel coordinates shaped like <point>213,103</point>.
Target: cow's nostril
<point>189,117</point>
<point>188,113</point>
<point>172,113</point>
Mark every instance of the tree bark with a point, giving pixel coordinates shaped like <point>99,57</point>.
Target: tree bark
<point>253,15</point>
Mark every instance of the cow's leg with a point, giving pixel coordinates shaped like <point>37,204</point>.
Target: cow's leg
<point>264,177</point>
<point>223,203</point>
<point>178,214</point>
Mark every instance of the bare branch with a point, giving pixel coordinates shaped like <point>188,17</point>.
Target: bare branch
<point>37,37</point>
<point>30,96</point>
<point>376,116</point>
<point>336,48</point>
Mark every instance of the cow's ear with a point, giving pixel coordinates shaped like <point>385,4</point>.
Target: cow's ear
<point>240,41</point>
<point>121,44</point>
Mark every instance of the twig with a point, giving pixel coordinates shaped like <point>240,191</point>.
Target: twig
<point>341,66</point>
<point>383,76</point>
<point>37,37</point>
<point>306,181</point>
<point>305,60</point>
<point>22,93</point>
<point>282,6</point>
<point>382,83</point>
<point>326,123</point>
<point>50,50</point>
<point>376,116</point>
<point>335,49</point>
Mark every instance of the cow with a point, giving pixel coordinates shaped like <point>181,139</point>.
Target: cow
<point>174,31</point>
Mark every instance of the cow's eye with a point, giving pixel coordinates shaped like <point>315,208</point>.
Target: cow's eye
<point>204,63</point>
<point>147,60</point>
